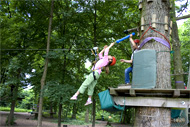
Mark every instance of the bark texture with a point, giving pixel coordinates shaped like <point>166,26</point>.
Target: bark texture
<point>178,70</point>
<point>150,116</point>
<point>45,68</point>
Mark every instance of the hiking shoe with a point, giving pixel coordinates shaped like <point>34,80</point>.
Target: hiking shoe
<point>73,97</point>
<point>89,101</point>
<point>127,85</point>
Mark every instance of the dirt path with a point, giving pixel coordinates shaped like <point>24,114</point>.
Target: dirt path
<point>26,120</point>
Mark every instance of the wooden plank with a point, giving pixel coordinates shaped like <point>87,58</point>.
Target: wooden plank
<point>153,102</point>
<point>184,93</point>
<point>132,92</point>
<point>113,92</point>
<point>176,93</point>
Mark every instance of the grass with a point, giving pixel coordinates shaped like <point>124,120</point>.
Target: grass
<point>16,109</point>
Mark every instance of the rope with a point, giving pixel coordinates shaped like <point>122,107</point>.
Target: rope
<point>150,27</point>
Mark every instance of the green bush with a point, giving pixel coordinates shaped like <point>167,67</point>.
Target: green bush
<point>16,109</point>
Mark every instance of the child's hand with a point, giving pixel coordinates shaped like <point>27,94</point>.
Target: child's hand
<point>122,60</point>
<point>131,35</point>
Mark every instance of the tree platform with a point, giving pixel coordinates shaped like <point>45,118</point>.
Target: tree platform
<point>169,98</point>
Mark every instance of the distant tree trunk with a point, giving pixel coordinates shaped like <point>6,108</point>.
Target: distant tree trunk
<point>94,112</point>
<point>59,113</point>
<point>51,110</point>
<point>151,116</point>
<point>188,83</point>
<point>178,70</point>
<point>95,44</point>
<point>39,124</point>
<point>87,115</point>
<point>14,91</point>
<point>74,111</point>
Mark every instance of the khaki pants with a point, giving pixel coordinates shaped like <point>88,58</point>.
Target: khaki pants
<point>89,83</point>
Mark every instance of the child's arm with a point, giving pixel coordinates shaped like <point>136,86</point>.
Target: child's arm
<point>126,61</point>
<point>111,45</point>
<point>103,49</point>
<point>132,42</point>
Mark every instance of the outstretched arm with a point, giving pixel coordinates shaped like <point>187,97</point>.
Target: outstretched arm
<point>132,42</point>
<point>126,61</point>
<point>111,45</point>
<point>103,49</point>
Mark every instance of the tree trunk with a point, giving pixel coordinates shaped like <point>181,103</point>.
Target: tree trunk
<point>14,90</point>
<point>178,70</point>
<point>74,111</point>
<point>188,83</point>
<point>87,116</point>
<point>93,112</point>
<point>39,124</point>
<point>151,116</point>
<point>59,114</point>
<point>95,39</point>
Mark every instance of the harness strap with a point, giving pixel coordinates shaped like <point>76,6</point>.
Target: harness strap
<point>162,41</point>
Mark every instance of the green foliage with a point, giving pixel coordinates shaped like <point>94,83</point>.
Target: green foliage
<point>16,109</point>
<point>28,101</point>
<point>184,33</point>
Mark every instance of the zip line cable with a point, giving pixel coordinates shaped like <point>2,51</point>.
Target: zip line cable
<point>39,49</point>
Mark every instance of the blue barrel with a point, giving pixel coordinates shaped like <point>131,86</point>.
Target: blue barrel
<point>126,37</point>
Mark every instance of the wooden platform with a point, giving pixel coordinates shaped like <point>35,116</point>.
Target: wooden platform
<point>170,98</point>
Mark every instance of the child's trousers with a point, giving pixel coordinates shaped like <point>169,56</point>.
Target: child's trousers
<point>89,83</point>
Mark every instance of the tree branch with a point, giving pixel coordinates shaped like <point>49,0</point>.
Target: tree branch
<point>183,17</point>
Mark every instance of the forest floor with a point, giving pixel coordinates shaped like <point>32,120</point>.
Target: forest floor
<point>27,120</point>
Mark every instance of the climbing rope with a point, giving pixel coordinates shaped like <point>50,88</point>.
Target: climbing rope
<point>150,27</point>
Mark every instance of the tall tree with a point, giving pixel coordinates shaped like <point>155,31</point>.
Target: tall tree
<point>151,116</point>
<point>178,70</point>
<point>45,67</point>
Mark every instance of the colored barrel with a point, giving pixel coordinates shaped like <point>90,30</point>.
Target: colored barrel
<point>126,37</point>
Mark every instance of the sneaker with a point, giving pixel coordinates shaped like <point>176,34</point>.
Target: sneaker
<point>73,97</point>
<point>89,101</point>
<point>127,84</point>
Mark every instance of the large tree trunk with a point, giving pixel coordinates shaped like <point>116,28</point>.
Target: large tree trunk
<point>178,70</point>
<point>45,68</point>
<point>150,116</point>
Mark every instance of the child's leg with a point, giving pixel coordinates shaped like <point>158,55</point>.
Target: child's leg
<point>86,83</point>
<point>127,71</point>
<point>93,84</point>
<point>91,89</point>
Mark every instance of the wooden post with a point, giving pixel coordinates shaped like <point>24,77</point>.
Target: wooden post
<point>149,0</point>
<point>140,4</point>
<point>171,27</point>
<point>166,23</point>
<point>154,20</point>
<point>142,23</point>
